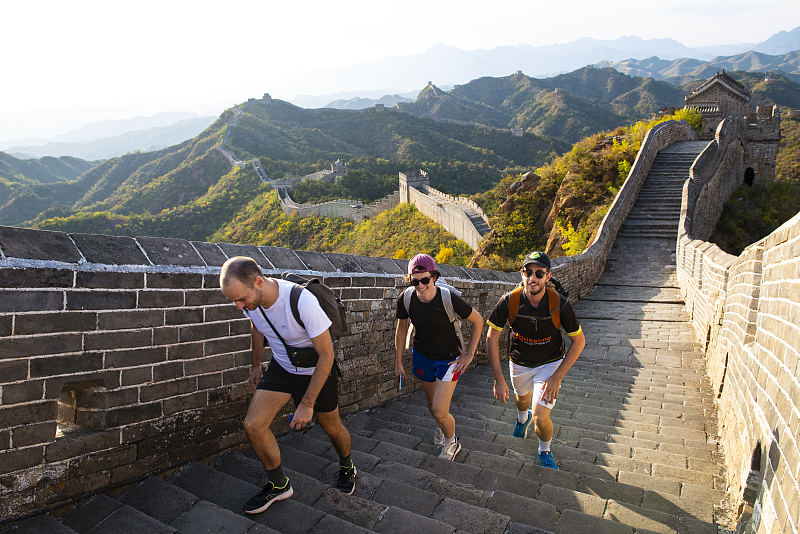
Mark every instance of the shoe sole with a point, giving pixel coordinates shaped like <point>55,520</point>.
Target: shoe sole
<point>355,474</point>
<point>280,497</point>
<point>453,457</point>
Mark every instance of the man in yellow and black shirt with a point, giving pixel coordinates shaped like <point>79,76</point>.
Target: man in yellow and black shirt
<point>537,361</point>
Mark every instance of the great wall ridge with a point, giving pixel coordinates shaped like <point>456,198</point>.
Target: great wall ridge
<point>459,216</point>
<point>682,412</point>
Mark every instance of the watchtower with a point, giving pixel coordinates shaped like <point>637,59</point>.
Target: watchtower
<point>721,97</point>
<point>415,179</point>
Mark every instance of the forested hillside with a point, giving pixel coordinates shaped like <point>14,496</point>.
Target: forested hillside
<point>28,180</point>
<point>190,190</point>
<point>558,208</point>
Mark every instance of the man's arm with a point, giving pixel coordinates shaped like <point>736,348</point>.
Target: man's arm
<point>553,384</point>
<point>257,344</point>
<point>400,334</point>
<point>477,329</point>
<point>324,347</point>
<point>493,351</point>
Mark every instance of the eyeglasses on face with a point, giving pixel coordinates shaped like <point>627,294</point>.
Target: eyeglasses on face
<point>539,274</point>
<point>424,281</point>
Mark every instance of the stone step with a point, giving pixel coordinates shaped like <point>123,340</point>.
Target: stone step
<point>649,235</point>
<point>482,469</point>
<point>230,493</point>
<point>104,514</point>
<point>40,524</point>
<point>606,438</point>
<point>395,485</point>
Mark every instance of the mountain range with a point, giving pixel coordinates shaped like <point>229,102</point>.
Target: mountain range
<point>147,140</point>
<point>190,189</point>
<point>686,70</point>
<point>449,65</point>
<point>115,137</point>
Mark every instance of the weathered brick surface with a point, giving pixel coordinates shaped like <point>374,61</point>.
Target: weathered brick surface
<point>25,301</point>
<point>747,312</point>
<point>109,280</point>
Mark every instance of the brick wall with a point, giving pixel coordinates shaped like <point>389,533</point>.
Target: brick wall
<point>746,312</point>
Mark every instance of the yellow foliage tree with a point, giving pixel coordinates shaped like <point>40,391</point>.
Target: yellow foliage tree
<point>445,254</point>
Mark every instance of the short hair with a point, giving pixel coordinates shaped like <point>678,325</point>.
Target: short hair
<point>240,268</point>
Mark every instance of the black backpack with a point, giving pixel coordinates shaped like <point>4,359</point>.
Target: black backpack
<point>330,304</point>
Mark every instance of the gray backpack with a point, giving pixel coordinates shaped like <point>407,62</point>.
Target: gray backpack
<point>445,289</point>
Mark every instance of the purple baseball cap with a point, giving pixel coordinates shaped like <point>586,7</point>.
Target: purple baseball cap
<point>421,263</point>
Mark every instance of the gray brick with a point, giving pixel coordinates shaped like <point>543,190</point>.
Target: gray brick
<point>524,510</point>
<point>108,280</point>
<point>464,516</point>
<point>67,364</point>
<point>101,300</point>
<point>27,391</point>
<point>572,522</point>
<point>31,277</point>
<point>564,499</point>
<point>160,299</point>
<point>23,301</point>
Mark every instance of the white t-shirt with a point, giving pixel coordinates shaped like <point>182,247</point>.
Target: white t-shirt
<point>280,314</point>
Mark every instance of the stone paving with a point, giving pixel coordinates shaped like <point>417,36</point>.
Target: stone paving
<point>635,439</point>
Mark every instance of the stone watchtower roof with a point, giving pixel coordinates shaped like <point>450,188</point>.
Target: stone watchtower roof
<point>723,80</point>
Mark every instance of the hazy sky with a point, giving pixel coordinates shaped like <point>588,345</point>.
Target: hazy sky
<point>179,55</point>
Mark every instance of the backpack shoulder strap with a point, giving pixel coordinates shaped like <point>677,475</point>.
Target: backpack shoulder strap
<point>294,299</point>
<point>407,298</point>
<point>447,299</point>
<point>513,305</point>
<point>555,306</point>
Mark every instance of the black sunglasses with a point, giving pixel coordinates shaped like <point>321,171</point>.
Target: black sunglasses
<point>539,274</point>
<point>424,281</point>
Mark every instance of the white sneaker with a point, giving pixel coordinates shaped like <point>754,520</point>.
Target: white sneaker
<point>450,450</point>
<point>438,437</point>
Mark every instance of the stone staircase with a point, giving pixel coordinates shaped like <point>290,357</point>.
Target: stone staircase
<point>657,209</point>
<point>477,221</point>
<point>635,439</point>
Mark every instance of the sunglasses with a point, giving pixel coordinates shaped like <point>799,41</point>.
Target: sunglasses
<point>539,274</point>
<point>424,281</point>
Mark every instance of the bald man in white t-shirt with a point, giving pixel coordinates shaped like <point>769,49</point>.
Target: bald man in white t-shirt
<point>265,301</point>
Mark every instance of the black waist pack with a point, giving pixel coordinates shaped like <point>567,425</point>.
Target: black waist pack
<point>302,356</point>
<point>299,356</point>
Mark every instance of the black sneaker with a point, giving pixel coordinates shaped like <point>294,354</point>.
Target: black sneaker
<point>267,496</point>
<point>347,479</point>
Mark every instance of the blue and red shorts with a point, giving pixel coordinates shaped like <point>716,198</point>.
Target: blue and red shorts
<point>429,370</point>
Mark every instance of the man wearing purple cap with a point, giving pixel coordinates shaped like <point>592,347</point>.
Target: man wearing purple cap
<point>537,362</point>
<point>438,356</point>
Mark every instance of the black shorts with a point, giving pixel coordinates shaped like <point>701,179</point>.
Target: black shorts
<point>276,378</point>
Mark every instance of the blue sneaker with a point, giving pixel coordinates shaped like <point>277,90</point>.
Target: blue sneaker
<point>521,429</point>
<point>546,459</point>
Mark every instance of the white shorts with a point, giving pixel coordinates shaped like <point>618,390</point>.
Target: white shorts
<point>531,379</point>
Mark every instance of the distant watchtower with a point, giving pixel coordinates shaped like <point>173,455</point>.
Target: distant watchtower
<point>722,97</point>
<point>717,98</point>
<point>415,179</point>
<point>339,168</point>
